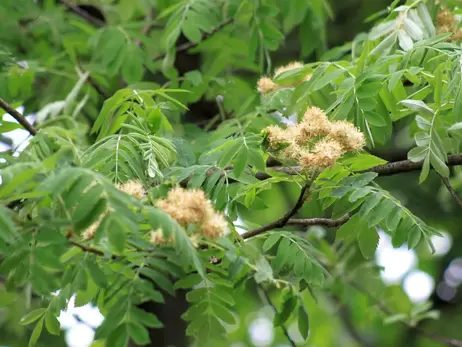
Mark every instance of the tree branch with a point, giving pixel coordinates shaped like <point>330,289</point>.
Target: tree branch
<point>284,330</point>
<point>19,117</point>
<point>101,91</point>
<point>282,221</point>
<point>451,190</point>
<point>185,46</point>
<point>383,307</point>
<point>388,169</point>
<point>82,13</point>
<point>86,248</point>
<point>327,222</point>
<point>147,27</point>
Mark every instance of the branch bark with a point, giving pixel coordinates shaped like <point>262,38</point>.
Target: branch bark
<point>451,190</point>
<point>388,169</point>
<point>281,221</point>
<point>86,248</point>
<point>83,14</point>
<point>327,222</point>
<point>284,329</point>
<point>19,117</point>
<point>188,45</point>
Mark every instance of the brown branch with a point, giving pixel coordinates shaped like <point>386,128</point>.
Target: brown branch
<point>383,307</point>
<point>86,248</point>
<point>281,221</point>
<point>327,222</point>
<point>388,169</point>
<point>185,46</point>
<point>451,190</point>
<point>82,13</point>
<point>147,27</point>
<point>283,328</point>
<point>18,116</point>
<point>401,166</point>
<point>101,91</point>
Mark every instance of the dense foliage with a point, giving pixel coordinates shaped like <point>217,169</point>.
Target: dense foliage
<point>125,194</point>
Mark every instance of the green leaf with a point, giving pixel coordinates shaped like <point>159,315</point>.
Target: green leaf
<point>418,106</point>
<point>36,333</point>
<point>132,67</point>
<point>426,19</point>
<point>348,230</point>
<point>399,317</point>
<point>7,227</point>
<point>370,203</point>
<point>299,267</point>
<point>385,46</point>
<point>229,153</point>
<point>117,235</point>
<point>413,238</point>
<point>159,279</point>
<point>223,313</point>
<point>455,127</point>
<point>417,154</point>
<point>368,240</point>
<point>382,29</point>
<point>138,333</point>
<point>303,322</point>
<point>188,281</point>
<point>96,274</point>
<point>118,337</point>
<point>359,194</point>
<point>380,212</point>
<point>405,41</point>
<point>32,316</point>
<point>287,308</point>
<point>52,323</point>
<point>240,161</point>
<point>270,241</point>
<point>393,219</point>
<point>147,318</point>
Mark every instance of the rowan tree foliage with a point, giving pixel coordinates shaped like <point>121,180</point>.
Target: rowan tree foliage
<point>162,131</point>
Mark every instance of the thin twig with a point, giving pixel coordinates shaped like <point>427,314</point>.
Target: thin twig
<point>281,221</point>
<point>86,248</point>
<point>327,222</point>
<point>101,91</point>
<point>451,190</point>
<point>345,316</point>
<point>147,27</point>
<point>18,116</point>
<point>283,328</point>
<point>185,46</point>
<point>83,14</point>
<point>383,307</point>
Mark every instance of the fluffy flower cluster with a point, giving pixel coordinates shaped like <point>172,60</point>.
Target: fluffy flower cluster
<point>446,22</point>
<point>266,85</point>
<point>90,232</point>
<point>316,142</point>
<point>191,207</point>
<point>133,188</point>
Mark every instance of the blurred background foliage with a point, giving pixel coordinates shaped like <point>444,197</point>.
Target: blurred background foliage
<point>49,78</point>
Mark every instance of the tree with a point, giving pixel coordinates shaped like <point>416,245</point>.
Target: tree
<point>162,142</point>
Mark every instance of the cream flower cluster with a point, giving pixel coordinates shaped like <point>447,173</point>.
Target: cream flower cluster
<point>266,85</point>
<point>133,188</point>
<point>446,22</point>
<point>191,207</point>
<point>315,142</point>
